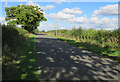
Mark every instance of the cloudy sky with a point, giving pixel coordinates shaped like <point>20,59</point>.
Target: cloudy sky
<point>66,15</point>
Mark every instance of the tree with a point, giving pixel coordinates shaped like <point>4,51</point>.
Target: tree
<point>36,31</point>
<point>28,16</point>
<point>43,30</point>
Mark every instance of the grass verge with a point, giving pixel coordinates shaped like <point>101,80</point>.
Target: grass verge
<point>27,63</point>
<point>108,53</point>
<point>19,61</point>
<point>26,66</point>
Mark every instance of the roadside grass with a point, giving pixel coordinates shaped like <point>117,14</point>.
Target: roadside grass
<point>105,52</point>
<point>19,58</point>
<point>27,63</point>
<point>25,67</point>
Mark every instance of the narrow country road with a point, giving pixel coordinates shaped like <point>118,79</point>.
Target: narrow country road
<point>61,61</point>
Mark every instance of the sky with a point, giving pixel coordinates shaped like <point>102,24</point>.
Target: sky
<point>67,15</point>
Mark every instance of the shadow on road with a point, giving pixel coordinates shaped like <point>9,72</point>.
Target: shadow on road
<point>62,61</point>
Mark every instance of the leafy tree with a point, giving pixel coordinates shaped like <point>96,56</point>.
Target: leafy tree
<point>43,30</point>
<point>28,16</point>
<point>89,33</point>
<point>99,36</point>
<point>74,32</point>
<point>36,31</point>
<point>79,32</point>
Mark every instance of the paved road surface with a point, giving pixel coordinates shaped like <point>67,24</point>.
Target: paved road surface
<point>61,61</point>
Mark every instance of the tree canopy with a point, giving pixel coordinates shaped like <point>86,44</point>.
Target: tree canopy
<point>28,16</point>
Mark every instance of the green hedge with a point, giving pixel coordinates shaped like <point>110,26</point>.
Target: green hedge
<point>104,38</point>
<point>13,40</point>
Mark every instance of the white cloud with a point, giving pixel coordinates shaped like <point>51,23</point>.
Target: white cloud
<point>4,23</point>
<point>58,1</point>
<point>97,23</point>
<point>43,7</point>
<point>86,23</point>
<point>60,16</point>
<point>2,19</point>
<point>77,19</point>
<point>65,14</point>
<point>107,10</point>
<point>48,26</point>
<point>68,15</point>
<point>63,28</point>
<point>45,24</point>
<point>105,23</point>
<point>32,3</point>
<point>72,11</point>
<point>105,20</point>
<point>48,7</point>
<point>93,20</point>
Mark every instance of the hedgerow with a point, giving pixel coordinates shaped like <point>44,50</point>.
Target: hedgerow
<point>108,39</point>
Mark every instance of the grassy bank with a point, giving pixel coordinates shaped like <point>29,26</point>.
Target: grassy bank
<point>105,52</point>
<point>28,67</point>
<point>19,61</point>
